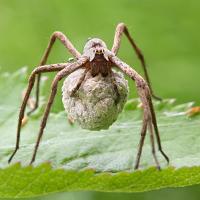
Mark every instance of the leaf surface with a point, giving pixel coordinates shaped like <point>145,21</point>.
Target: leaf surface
<point>70,158</point>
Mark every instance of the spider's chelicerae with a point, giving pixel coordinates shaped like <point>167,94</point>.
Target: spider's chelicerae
<point>97,60</point>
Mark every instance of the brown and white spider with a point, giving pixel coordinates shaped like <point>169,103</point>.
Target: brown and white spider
<point>97,59</point>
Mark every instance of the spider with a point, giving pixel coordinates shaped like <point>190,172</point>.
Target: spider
<point>97,59</point>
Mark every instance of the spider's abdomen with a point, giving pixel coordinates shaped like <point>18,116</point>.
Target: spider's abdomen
<point>96,104</point>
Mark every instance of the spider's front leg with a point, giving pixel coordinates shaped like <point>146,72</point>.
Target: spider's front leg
<point>149,119</point>
<point>58,77</point>
<point>40,69</point>
<point>145,96</point>
<point>120,29</point>
<point>68,45</point>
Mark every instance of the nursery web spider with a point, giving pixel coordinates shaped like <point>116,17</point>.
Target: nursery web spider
<point>98,59</point>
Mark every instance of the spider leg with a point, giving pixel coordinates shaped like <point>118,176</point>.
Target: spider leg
<point>65,41</point>
<point>81,79</point>
<point>141,143</point>
<point>154,121</point>
<point>115,88</point>
<point>40,69</point>
<point>74,90</point>
<point>54,86</point>
<point>153,145</point>
<point>120,29</point>
<point>145,96</point>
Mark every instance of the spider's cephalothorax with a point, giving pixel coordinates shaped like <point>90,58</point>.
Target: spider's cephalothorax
<point>97,60</point>
<point>96,50</point>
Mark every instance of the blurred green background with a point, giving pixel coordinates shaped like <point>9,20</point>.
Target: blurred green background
<point>166,30</point>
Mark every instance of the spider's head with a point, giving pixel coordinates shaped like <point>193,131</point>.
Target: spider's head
<point>95,48</point>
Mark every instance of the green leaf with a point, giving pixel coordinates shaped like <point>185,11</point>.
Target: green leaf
<point>71,159</point>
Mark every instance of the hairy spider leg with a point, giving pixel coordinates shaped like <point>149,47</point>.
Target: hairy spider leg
<point>120,29</point>
<point>40,69</point>
<point>66,42</point>
<point>149,113</point>
<point>58,77</point>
